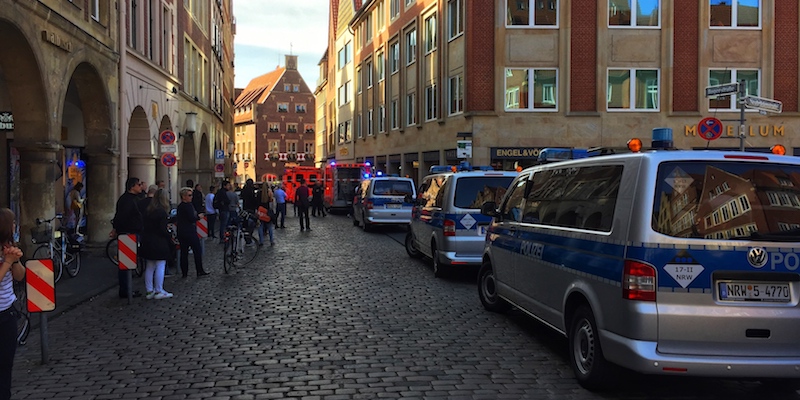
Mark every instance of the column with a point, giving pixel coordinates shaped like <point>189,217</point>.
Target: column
<point>101,197</point>
<point>37,190</point>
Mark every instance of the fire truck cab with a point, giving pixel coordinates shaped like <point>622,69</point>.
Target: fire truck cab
<point>292,177</point>
<point>341,181</point>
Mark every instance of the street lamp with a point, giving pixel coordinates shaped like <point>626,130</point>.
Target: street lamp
<point>190,125</point>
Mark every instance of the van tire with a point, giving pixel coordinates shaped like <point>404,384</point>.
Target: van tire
<point>586,358</point>
<point>487,290</point>
<point>440,270</point>
<point>411,249</point>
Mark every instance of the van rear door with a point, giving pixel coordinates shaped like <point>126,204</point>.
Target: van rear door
<point>470,194</point>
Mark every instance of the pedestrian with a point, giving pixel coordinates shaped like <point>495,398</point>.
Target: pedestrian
<point>249,198</point>
<point>156,245</point>
<point>317,200</point>
<point>267,201</point>
<point>143,203</point>
<point>280,206</point>
<point>75,208</point>
<point>186,221</point>
<point>10,270</point>
<point>302,197</point>
<point>233,205</point>
<point>161,184</point>
<point>211,212</point>
<point>198,199</point>
<point>220,203</point>
<point>128,220</point>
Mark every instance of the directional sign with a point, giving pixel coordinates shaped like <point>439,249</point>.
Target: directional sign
<point>168,159</point>
<point>710,128</point>
<point>167,137</point>
<point>760,103</point>
<point>722,90</point>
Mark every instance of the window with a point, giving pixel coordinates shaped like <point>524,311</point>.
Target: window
<point>512,208</point>
<point>394,57</point>
<point>430,34</point>
<point>368,71</point>
<point>295,88</point>
<point>274,127</point>
<point>411,46</point>
<point>543,97</point>
<point>380,15</point>
<point>430,102</point>
<point>382,118</point>
<point>308,128</point>
<point>291,128</point>
<point>368,29</point>
<point>287,87</point>
<point>358,127</point>
<point>647,13</point>
<point>455,18</point>
<point>300,108</point>
<point>410,2</point>
<point>411,116</point>
<point>639,93</point>
<point>380,66</point>
<point>455,95</point>
<point>721,77</point>
<point>369,123</point>
<point>544,13</point>
<point>345,55</point>
<point>394,9</point>
<point>283,107</point>
<point>395,115</point>
<point>344,93</point>
<point>735,13</point>
<point>95,4</point>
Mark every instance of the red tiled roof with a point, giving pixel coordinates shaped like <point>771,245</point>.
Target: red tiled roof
<point>259,88</point>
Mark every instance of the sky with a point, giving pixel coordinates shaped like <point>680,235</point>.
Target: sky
<point>268,30</point>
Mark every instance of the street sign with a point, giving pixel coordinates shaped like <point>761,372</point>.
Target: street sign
<point>464,148</point>
<point>722,90</point>
<point>760,103</point>
<point>168,159</point>
<point>710,128</point>
<point>219,154</point>
<point>169,148</point>
<point>219,168</point>
<point>167,137</point>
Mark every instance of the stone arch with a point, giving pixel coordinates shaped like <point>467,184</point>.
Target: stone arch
<point>205,161</point>
<point>141,156</point>
<point>187,164</point>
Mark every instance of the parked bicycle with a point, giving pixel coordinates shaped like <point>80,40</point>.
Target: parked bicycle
<point>241,247</point>
<point>21,306</point>
<point>58,245</point>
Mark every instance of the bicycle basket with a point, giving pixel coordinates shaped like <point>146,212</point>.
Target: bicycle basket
<point>42,233</point>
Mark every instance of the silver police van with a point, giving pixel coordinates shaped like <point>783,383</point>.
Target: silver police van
<point>383,200</point>
<point>662,262</point>
<point>446,222</point>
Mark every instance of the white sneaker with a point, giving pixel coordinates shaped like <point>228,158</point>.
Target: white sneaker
<point>162,295</point>
<point>150,295</point>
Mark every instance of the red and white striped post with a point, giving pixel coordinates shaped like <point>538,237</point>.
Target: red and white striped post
<point>127,249</point>
<point>41,292</point>
<point>202,227</point>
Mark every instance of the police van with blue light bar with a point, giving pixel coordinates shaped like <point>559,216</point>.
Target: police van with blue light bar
<point>446,221</point>
<point>667,262</point>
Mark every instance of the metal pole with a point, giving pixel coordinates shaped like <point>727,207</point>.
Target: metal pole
<point>740,100</point>
<point>45,346</point>
<point>130,286</point>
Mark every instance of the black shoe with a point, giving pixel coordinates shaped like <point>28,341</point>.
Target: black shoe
<point>204,273</point>
<point>302,229</point>
<point>184,275</point>
<point>308,229</point>
<point>136,293</point>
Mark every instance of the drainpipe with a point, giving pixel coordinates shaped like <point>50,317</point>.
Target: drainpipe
<point>121,104</point>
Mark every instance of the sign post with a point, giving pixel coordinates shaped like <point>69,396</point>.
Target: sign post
<point>168,146</point>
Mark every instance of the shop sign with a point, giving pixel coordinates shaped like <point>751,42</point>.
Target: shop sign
<point>6,121</point>
<point>510,153</point>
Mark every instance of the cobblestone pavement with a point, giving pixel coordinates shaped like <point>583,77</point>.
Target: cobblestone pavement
<point>334,313</point>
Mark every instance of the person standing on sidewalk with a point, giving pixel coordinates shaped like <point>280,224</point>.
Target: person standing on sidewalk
<point>128,219</point>
<point>317,200</point>
<point>302,199</point>
<point>156,243</point>
<point>220,203</point>
<point>280,206</point>
<point>198,199</point>
<point>211,212</point>
<point>10,270</point>
<point>186,221</point>
<point>267,201</point>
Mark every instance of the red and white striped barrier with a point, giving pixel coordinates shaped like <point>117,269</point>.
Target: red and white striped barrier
<point>127,248</point>
<point>202,227</point>
<point>41,285</point>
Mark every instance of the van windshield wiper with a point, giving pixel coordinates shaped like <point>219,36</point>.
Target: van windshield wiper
<point>792,235</point>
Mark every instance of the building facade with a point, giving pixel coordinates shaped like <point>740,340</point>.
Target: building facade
<point>87,86</point>
<point>274,125</point>
<point>515,76</point>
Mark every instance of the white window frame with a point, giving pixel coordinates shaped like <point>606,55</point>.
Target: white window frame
<point>532,17</point>
<point>394,118</point>
<point>632,91</point>
<point>411,46</point>
<point>734,96</point>
<point>394,57</point>
<point>735,15</point>
<point>410,2</point>
<point>430,102</point>
<point>430,34</point>
<point>380,65</point>
<point>511,102</point>
<point>370,131</point>
<point>411,107</point>
<point>382,118</point>
<point>455,19</point>
<point>95,9</point>
<point>634,16</point>
<point>368,71</point>
<point>394,9</point>
<point>455,107</point>
<point>359,132</point>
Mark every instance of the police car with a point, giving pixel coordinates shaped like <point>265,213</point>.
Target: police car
<point>383,200</point>
<point>663,262</point>
<point>446,223</point>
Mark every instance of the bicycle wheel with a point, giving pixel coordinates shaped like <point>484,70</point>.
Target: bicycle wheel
<point>248,249</point>
<point>21,305</point>
<point>73,264</point>
<point>43,253</point>
<point>112,251</point>
<point>229,255</point>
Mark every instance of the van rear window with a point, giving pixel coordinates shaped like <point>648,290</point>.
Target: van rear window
<point>727,200</point>
<point>472,192</point>
<point>392,188</point>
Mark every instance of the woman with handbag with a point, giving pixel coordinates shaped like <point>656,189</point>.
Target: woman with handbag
<point>267,205</point>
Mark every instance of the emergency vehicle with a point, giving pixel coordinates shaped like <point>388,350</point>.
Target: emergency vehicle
<point>341,181</point>
<point>292,177</point>
<point>668,262</point>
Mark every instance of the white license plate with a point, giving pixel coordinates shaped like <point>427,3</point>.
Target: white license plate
<point>754,291</point>
<point>482,230</point>
<point>394,205</point>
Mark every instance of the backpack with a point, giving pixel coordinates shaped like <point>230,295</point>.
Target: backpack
<point>220,201</point>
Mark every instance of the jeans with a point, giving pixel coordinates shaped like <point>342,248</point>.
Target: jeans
<point>212,220</point>
<point>223,223</point>
<point>302,212</point>
<point>268,227</point>
<point>8,347</point>
<point>154,276</point>
<point>280,210</point>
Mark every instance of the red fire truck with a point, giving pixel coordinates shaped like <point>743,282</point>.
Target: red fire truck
<point>340,182</point>
<point>292,176</point>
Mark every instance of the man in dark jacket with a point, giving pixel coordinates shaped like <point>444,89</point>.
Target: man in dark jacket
<point>198,199</point>
<point>302,200</point>
<point>248,196</point>
<point>317,200</point>
<point>128,219</point>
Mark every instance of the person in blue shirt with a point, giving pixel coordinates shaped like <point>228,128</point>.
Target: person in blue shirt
<point>280,206</point>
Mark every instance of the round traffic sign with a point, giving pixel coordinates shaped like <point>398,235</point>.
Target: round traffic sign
<point>167,137</point>
<point>219,167</point>
<point>709,128</point>
<point>168,159</point>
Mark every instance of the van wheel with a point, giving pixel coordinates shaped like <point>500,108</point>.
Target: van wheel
<point>487,290</point>
<point>586,357</point>
<point>439,269</point>
<point>411,248</point>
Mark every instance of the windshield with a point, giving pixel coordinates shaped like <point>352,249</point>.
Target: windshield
<point>392,188</point>
<point>472,192</point>
<point>728,200</point>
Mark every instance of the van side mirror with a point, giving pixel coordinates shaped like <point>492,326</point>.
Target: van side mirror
<point>489,208</point>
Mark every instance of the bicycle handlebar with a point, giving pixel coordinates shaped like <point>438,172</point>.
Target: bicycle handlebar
<point>40,221</point>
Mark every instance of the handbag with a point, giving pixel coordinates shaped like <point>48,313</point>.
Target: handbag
<point>263,214</point>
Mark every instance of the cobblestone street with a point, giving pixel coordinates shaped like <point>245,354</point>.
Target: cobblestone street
<point>334,313</point>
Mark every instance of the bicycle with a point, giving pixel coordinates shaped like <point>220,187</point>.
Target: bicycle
<point>241,247</point>
<point>21,306</point>
<point>112,252</point>
<point>56,245</point>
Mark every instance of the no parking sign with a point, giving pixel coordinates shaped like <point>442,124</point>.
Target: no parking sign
<point>710,128</point>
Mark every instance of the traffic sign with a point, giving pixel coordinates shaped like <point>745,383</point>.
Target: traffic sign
<point>760,103</point>
<point>219,167</point>
<point>219,154</point>
<point>710,128</point>
<point>167,137</point>
<point>40,285</point>
<point>722,90</point>
<point>168,159</point>
<point>169,148</point>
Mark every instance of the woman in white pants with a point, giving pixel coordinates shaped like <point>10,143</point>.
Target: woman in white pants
<point>155,248</point>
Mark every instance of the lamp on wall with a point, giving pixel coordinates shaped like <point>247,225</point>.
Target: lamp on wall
<point>231,148</point>
<point>190,124</point>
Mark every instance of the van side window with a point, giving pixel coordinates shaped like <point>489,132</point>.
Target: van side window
<point>512,209</point>
<point>582,197</point>
<point>430,189</point>
<point>442,184</point>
